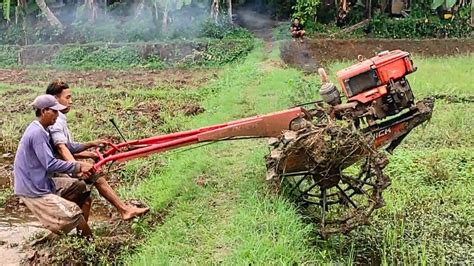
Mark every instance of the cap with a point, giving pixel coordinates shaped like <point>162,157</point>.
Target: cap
<point>47,101</point>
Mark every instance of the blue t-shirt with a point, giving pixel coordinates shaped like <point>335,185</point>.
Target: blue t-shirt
<point>35,164</point>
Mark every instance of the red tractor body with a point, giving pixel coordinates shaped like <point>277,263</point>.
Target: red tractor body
<point>369,79</point>
<point>378,86</point>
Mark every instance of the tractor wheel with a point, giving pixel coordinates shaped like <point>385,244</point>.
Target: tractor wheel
<point>332,172</point>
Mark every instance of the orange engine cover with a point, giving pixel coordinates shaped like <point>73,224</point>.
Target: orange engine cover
<point>368,80</point>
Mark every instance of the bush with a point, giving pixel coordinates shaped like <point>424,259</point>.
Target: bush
<point>203,53</point>
<point>72,56</point>
<point>8,56</point>
<point>123,57</point>
<point>421,27</point>
<point>104,57</point>
<point>12,34</point>
<point>216,30</point>
<point>220,52</point>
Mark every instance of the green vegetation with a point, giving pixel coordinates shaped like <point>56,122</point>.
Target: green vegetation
<point>4,195</point>
<point>216,205</point>
<point>422,26</point>
<point>8,56</point>
<point>205,52</point>
<point>26,23</point>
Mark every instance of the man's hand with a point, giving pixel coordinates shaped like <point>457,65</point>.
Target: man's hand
<point>97,142</point>
<point>86,155</point>
<point>85,168</point>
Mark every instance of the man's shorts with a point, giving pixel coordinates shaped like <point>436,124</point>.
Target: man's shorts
<point>297,34</point>
<point>89,181</point>
<point>60,212</point>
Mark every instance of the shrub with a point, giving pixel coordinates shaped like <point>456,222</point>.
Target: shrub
<point>421,27</point>
<point>104,57</point>
<point>215,30</point>
<point>8,56</point>
<point>12,34</point>
<point>72,56</point>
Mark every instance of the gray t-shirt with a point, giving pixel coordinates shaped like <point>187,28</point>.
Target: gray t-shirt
<point>60,134</point>
<point>35,164</point>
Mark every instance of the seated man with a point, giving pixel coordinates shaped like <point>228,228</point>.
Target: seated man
<point>297,30</point>
<point>55,202</point>
<point>70,150</point>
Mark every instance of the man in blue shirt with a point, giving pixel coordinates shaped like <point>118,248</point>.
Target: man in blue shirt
<point>55,202</point>
<point>70,150</point>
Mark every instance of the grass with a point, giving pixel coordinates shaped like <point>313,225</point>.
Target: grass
<point>219,208</point>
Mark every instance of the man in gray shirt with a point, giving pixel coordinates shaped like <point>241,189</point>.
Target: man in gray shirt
<point>70,150</point>
<point>55,202</point>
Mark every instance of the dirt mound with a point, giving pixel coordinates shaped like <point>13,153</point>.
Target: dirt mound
<point>454,98</point>
<point>297,54</point>
<point>313,52</point>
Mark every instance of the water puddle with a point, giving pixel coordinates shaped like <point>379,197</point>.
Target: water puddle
<point>17,227</point>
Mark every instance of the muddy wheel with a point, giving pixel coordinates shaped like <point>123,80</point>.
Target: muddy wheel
<point>332,173</point>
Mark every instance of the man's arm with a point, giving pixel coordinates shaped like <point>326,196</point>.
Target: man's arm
<point>70,153</point>
<point>64,152</point>
<point>51,164</point>
<point>77,148</point>
<point>67,155</point>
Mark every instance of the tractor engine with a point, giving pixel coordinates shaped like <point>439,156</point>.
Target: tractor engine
<point>375,88</point>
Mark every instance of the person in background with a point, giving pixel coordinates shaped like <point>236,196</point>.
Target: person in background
<point>297,31</point>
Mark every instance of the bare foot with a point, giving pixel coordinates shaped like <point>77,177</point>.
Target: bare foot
<point>133,212</point>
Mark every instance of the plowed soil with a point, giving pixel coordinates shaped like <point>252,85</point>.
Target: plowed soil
<point>178,79</point>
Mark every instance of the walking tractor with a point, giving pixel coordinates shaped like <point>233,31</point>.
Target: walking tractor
<point>326,155</point>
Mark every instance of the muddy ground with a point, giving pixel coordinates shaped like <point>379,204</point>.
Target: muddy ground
<point>313,53</point>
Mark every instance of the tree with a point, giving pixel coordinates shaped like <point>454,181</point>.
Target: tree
<point>52,19</point>
<point>306,9</point>
<point>165,7</point>
<point>229,11</point>
<point>215,6</point>
<point>6,9</point>
<point>91,6</point>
